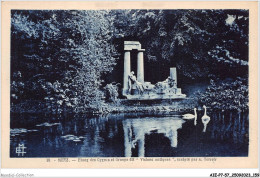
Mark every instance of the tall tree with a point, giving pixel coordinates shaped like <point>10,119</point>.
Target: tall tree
<point>200,43</point>
<point>63,54</point>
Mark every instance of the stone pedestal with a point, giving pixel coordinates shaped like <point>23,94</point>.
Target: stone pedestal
<point>178,92</point>
<point>127,68</point>
<point>173,74</point>
<point>140,65</point>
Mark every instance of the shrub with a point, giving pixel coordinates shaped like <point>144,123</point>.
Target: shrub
<point>111,91</point>
<point>231,95</point>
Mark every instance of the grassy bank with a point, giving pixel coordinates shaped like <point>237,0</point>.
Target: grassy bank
<point>122,106</point>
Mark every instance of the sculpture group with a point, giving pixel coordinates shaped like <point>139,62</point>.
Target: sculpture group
<point>136,88</point>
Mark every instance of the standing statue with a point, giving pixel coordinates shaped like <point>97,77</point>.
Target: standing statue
<point>130,79</point>
<point>139,85</point>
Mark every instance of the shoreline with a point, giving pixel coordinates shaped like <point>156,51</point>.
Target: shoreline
<point>122,106</point>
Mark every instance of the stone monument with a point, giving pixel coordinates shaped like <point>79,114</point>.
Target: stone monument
<point>136,88</point>
<point>128,46</point>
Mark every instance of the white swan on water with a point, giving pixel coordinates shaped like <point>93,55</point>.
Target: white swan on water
<point>190,116</point>
<point>205,119</point>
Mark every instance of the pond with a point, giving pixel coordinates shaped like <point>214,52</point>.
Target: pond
<point>155,135</point>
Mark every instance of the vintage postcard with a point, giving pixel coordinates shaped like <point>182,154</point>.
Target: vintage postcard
<point>129,85</point>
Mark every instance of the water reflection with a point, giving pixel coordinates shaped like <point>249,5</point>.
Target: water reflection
<point>136,129</point>
<point>130,135</point>
<point>230,125</point>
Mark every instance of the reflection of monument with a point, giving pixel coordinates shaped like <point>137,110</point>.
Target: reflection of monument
<point>136,129</point>
<point>133,86</point>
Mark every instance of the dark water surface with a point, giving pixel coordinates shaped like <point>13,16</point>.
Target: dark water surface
<point>122,135</point>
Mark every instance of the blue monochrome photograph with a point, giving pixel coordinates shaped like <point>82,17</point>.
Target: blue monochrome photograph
<point>129,83</point>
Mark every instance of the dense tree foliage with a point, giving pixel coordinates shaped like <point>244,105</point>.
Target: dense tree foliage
<point>60,56</point>
<point>63,57</point>
<point>200,43</point>
<point>228,95</point>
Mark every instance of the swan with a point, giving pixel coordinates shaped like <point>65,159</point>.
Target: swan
<point>190,116</point>
<point>205,119</point>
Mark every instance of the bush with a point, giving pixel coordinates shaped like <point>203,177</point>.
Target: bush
<point>231,95</point>
<point>111,91</point>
